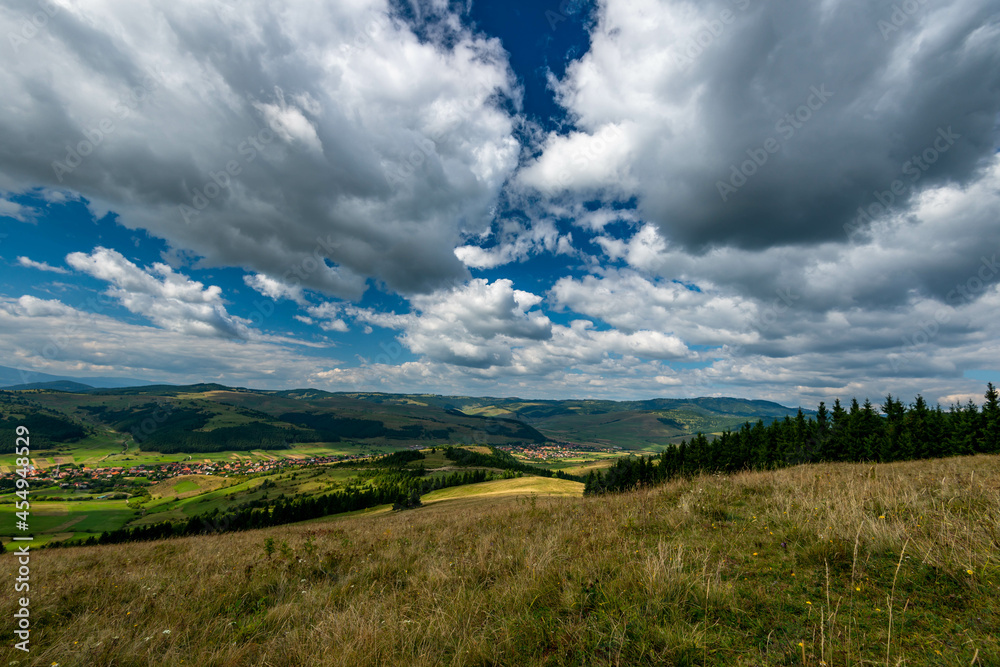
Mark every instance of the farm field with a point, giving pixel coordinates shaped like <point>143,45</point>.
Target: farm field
<point>519,486</point>
<point>50,519</point>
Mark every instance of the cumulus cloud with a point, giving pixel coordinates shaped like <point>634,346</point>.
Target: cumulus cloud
<point>41,266</point>
<point>319,144</point>
<point>170,300</point>
<point>818,106</point>
<point>785,202</point>
<point>275,289</point>
<point>515,241</point>
<point>476,325</point>
<point>492,330</point>
<point>329,316</point>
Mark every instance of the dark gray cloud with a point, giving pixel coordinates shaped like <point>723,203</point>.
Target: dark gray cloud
<point>758,124</point>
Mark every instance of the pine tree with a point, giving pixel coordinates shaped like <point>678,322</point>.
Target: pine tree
<point>837,443</point>
<point>895,413</point>
<point>822,429</point>
<point>872,433</point>
<point>990,419</point>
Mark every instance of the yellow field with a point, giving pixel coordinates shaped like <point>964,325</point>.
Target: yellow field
<point>186,485</point>
<point>520,486</point>
<point>592,466</point>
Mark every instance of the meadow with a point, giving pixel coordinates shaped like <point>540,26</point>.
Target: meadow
<point>821,564</point>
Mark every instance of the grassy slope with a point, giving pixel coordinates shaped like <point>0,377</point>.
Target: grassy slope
<point>693,572</point>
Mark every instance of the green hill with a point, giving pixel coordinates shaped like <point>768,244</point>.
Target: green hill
<point>640,425</point>
<point>212,418</point>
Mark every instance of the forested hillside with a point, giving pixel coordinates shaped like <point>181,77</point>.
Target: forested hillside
<point>859,433</point>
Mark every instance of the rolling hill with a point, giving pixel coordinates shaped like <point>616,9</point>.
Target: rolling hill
<point>215,418</point>
<point>10,377</point>
<point>645,425</point>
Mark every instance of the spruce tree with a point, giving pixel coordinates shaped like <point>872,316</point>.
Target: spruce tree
<point>990,418</point>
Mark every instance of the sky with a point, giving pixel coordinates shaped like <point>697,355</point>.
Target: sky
<point>792,201</point>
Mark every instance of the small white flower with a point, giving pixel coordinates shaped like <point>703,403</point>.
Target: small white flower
<point>166,632</point>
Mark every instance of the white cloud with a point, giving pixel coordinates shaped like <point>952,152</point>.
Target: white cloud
<point>515,242</point>
<point>41,266</point>
<point>476,325</point>
<point>19,212</point>
<point>170,300</point>
<point>492,330</point>
<point>329,316</point>
<point>275,289</point>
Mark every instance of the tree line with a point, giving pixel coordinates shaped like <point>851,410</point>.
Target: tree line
<point>862,432</point>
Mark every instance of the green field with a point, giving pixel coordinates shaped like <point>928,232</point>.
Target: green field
<point>47,519</point>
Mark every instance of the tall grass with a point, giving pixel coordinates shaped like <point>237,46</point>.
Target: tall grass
<point>802,565</point>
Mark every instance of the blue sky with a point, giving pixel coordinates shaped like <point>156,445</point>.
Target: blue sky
<point>613,199</point>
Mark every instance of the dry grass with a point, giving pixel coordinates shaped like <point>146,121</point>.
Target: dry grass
<point>803,565</point>
<point>520,486</point>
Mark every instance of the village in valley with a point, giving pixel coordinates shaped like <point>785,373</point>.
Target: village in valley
<point>98,478</point>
